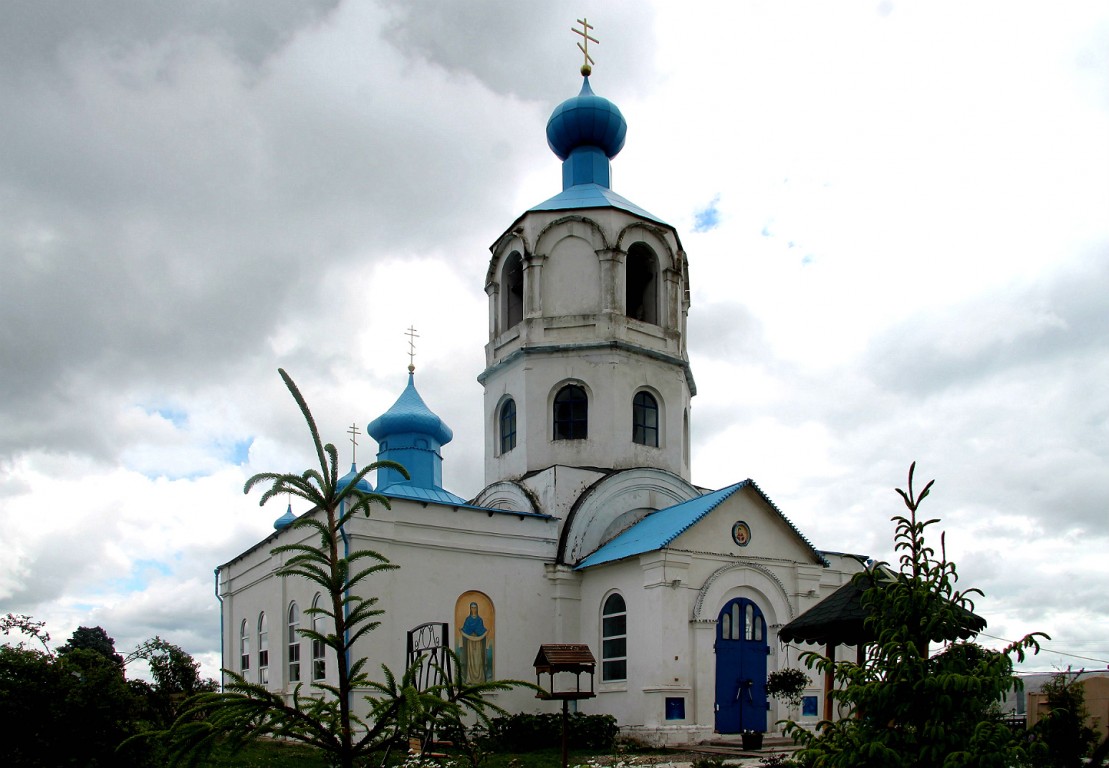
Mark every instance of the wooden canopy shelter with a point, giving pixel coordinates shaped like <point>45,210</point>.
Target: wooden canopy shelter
<point>840,619</point>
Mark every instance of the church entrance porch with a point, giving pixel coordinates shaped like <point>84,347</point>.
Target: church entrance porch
<point>741,655</point>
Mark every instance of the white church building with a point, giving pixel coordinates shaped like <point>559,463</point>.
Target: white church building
<point>588,529</point>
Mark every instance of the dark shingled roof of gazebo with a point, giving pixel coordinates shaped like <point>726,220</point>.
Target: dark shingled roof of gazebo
<point>564,656</point>
<point>840,619</point>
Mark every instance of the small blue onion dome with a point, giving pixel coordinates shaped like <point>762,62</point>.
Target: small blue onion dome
<point>410,415</point>
<point>362,485</point>
<point>587,120</point>
<point>285,520</point>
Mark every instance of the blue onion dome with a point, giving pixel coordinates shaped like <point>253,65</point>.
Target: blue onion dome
<point>587,120</point>
<point>285,520</point>
<point>410,415</point>
<point>362,485</point>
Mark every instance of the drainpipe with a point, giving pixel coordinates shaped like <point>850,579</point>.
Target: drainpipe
<point>215,573</point>
<point>346,613</point>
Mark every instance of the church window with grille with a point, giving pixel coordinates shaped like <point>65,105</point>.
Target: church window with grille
<point>319,663</point>
<point>263,650</point>
<point>293,639</point>
<point>571,413</point>
<point>614,639</point>
<point>645,419</point>
<point>507,426</point>
<point>244,646</point>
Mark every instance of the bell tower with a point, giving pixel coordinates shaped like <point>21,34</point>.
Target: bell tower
<point>586,364</point>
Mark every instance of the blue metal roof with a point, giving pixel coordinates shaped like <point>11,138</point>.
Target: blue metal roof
<point>593,196</point>
<point>659,529</point>
<point>408,491</point>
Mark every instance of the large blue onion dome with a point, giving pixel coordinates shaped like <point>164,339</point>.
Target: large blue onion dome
<point>586,120</point>
<point>362,485</point>
<point>410,415</point>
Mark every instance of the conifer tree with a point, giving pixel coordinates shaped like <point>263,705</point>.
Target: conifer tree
<point>323,716</point>
<point>907,707</point>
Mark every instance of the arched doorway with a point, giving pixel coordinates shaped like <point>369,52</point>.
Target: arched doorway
<point>741,652</point>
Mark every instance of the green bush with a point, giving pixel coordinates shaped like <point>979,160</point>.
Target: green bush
<point>524,732</point>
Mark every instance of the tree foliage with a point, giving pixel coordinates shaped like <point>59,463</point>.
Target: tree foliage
<point>909,708</point>
<point>71,709</point>
<point>175,671</point>
<point>76,707</point>
<point>18,622</point>
<point>1064,730</point>
<point>322,715</point>
<point>93,639</point>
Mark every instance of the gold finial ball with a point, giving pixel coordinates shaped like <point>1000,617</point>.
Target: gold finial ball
<point>586,70</point>
<point>411,369</point>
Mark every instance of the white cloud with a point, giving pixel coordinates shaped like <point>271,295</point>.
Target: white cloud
<point>908,263</point>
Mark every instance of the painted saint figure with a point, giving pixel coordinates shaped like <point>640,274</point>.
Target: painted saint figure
<point>473,647</point>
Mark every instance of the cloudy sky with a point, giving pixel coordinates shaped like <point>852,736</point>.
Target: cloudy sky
<point>896,215</point>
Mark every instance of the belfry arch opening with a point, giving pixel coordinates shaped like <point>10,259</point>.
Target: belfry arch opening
<point>642,284</point>
<point>512,287</point>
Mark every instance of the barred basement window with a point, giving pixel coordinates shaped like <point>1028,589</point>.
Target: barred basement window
<point>614,639</point>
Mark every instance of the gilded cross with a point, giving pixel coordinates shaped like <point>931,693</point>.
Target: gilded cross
<point>583,46</point>
<point>412,336</point>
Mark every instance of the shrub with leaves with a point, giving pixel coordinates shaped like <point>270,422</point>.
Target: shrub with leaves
<point>907,707</point>
<point>525,731</point>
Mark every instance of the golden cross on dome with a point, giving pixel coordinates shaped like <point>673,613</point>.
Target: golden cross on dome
<point>586,38</point>
<point>412,336</point>
<point>354,432</point>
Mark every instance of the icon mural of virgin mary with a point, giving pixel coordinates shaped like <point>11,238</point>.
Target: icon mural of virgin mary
<point>475,647</point>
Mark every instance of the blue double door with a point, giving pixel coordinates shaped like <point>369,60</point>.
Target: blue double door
<point>742,649</point>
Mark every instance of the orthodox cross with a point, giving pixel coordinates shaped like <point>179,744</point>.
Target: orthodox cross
<point>586,66</point>
<point>412,336</point>
<point>354,432</point>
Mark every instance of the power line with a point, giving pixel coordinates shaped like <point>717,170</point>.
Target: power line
<point>1049,650</point>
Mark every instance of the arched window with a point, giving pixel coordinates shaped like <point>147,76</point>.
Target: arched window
<point>642,284</point>
<point>645,419</point>
<point>506,425</point>
<point>319,663</point>
<point>263,650</point>
<point>244,646</point>
<point>571,413</point>
<point>293,640</point>
<point>614,639</point>
<point>512,285</point>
